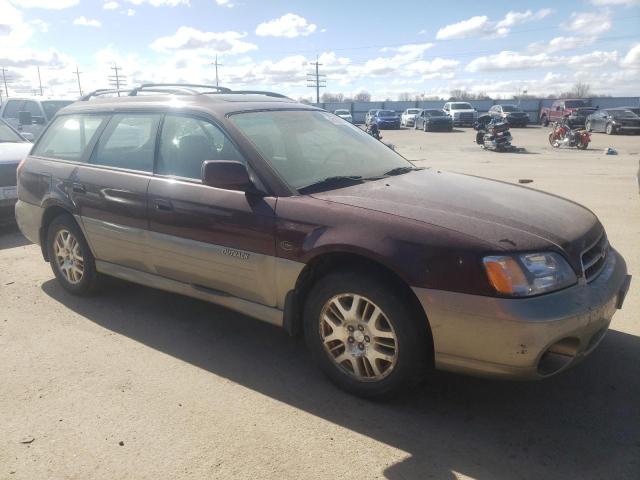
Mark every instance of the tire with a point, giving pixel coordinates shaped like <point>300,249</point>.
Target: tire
<point>402,338</point>
<point>587,127</point>
<point>544,121</point>
<point>552,142</point>
<point>66,245</point>
<point>415,126</point>
<point>582,146</point>
<point>609,130</point>
<point>424,127</point>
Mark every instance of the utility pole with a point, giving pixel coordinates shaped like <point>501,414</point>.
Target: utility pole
<point>217,65</point>
<point>117,79</point>
<point>4,79</point>
<point>77,72</point>
<point>40,81</point>
<point>314,80</point>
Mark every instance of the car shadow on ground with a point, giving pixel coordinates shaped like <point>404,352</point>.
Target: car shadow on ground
<point>581,424</point>
<point>10,236</point>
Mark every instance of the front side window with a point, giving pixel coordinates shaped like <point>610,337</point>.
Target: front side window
<point>128,142</point>
<point>12,109</point>
<point>461,106</point>
<point>307,146</point>
<point>186,142</point>
<point>68,136</point>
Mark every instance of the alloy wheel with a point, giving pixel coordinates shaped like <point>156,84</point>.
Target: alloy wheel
<point>68,256</point>
<point>358,337</point>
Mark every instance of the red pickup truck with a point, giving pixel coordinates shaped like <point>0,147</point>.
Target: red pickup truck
<point>575,110</point>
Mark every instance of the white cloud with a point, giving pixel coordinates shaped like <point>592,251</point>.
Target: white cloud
<point>225,3</point>
<point>632,58</point>
<point>289,25</point>
<point>29,58</point>
<point>14,30</point>
<point>41,24</point>
<point>589,22</point>
<point>160,3</point>
<point>187,38</point>
<point>558,44</point>
<point>111,6</point>
<point>615,3</point>
<point>507,60</point>
<point>87,22</point>
<point>130,12</point>
<point>482,26</point>
<point>46,4</point>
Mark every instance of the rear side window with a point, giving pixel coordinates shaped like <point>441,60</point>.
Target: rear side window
<point>12,109</point>
<point>186,142</point>
<point>33,108</point>
<point>128,142</point>
<point>68,136</point>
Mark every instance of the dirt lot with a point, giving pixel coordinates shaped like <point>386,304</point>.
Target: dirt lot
<point>136,383</point>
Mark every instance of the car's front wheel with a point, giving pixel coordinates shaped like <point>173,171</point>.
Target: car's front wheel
<point>364,335</point>
<point>71,260</point>
<point>609,129</point>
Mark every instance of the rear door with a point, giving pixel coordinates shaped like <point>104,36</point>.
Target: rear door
<point>37,117</point>
<point>209,237</point>
<point>110,190</point>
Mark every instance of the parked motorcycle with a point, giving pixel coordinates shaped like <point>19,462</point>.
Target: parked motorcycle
<point>373,130</point>
<point>493,134</point>
<point>563,135</point>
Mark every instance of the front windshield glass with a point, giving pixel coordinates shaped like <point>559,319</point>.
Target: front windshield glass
<point>386,113</point>
<point>51,107</point>
<point>412,111</point>
<point>461,106</point>
<point>510,108</point>
<point>8,135</point>
<point>435,113</point>
<point>306,146</point>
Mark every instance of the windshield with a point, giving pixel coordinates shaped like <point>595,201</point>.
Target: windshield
<point>575,104</point>
<point>306,146</point>
<point>412,111</point>
<point>510,108</point>
<point>435,113</point>
<point>8,135</point>
<point>342,112</point>
<point>51,107</point>
<point>622,114</point>
<point>461,106</point>
<point>386,113</point>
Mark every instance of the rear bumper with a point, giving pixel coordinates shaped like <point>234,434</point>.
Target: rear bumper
<point>528,338</point>
<point>29,219</point>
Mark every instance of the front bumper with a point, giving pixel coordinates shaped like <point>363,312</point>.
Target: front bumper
<point>526,338</point>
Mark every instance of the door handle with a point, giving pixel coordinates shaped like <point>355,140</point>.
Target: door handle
<point>164,205</point>
<point>79,188</point>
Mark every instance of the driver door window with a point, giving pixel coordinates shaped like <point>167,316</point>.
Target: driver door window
<point>186,142</point>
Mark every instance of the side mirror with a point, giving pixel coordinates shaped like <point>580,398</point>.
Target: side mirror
<point>24,118</point>
<point>227,174</point>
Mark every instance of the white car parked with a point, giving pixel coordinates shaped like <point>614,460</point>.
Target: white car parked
<point>462,113</point>
<point>344,114</point>
<point>408,118</point>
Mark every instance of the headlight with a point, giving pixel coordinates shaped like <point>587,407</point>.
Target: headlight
<point>528,274</point>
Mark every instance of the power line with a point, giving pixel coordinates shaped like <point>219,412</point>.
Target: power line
<point>118,79</point>
<point>314,80</point>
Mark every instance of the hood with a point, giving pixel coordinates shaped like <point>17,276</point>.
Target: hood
<point>507,216</point>
<point>14,152</point>
<point>463,110</point>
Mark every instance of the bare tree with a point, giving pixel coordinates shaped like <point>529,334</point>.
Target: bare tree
<point>581,90</point>
<point>332,97</point>
<point>304,100</point>
<point>404,97</point>
<point>363,96</point>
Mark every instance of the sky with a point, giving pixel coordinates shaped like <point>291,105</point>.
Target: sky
<point>384,47</point>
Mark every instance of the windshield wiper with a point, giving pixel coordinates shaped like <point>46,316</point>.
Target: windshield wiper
<point>401,170</point>
<point>329,182</point>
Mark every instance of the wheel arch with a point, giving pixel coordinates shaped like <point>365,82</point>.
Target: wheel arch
<point>335,261</point>
<point>51,211</point>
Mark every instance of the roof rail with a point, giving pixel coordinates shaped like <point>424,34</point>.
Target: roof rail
<point>102,91</point>
<point>258,92</point>
<point>180,87</point>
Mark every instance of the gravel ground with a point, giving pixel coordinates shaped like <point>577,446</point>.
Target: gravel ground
<point>137,383</point>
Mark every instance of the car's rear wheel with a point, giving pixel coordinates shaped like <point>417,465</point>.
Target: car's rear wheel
<point>364,335</point>
<point>609,129</point>
<point>587,126</point>
<point>425,127</point>
<point>70,257</point>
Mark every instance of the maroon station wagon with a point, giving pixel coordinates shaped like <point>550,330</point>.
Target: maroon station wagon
<point>291,215</point>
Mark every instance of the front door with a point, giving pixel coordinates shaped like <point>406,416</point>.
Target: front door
<point>218,239</point>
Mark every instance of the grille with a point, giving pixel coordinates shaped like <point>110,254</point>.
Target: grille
<point>466,117</point>
<point>594,257</point>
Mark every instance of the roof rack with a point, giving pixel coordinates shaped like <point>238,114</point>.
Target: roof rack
<point>179,88</point>
<point>258,92</point>
<point>103,91</point>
